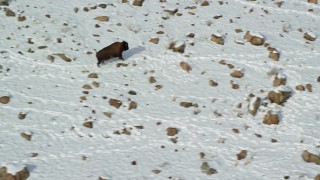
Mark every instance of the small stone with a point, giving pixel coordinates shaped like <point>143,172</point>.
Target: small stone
<point>317,177</point>
<point>310,157</point>
<point>115,103</point>
<point>318,79</point>
<point>26,136</point>
<point>186,104</point>
<point>4,99</point>
<point>271,118</point>
<point>237,74</point>
<point>10,13</point>
<point>185,66</point>
<point>172,131</point>
<point>205,3</point>
<point>76,10</point>
<point>152,80</point>
<point>22,116</point>
<point>279,80</point>
<point>50,58</point>
<point>242,154</point>
<point>254,39</point>
<point>108,114</point>
<point>132,93</point>
<point>235,86</point>
<point>63,57</point>
<point>86,86</point>
<point>102,18</point>
<point>21,18</point>
<point>300,88</point>
<point>213,83</point>
<point>313,1</point>
<point>309,36</point>
<point>88,124</point>
<point>93,75</point>
<point>156,171</point>
<point>309,87</point>
<point>274,55</point>
<point>217,38</point>
<point>279,97</point>
<point>133,105</point>
<point>154,40</point>
<point>138,2</point>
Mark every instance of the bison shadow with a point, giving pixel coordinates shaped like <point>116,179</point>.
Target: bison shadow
<point>131,52</point>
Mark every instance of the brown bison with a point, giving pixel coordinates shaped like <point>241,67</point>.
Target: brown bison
<point>113,50</point>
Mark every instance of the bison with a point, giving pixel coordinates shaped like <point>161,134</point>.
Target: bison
<point>113,50</point>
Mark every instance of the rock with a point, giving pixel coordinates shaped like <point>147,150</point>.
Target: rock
<point>22,116</point>
<point>271,118</point>
<point>280,96</point>
<point>177,47</point>
<point>280,79</point>
<point>205,168</point>
<point>88,124</point>
<point>172,131</point>
<point>4,3</point>
<point>213,83</point>
<point>21,18</point>
<point>26,136</point>
<point>254,38</point>
<point>191,35</point>
<point>102,18</point>
<point>154,40</point>
<point>133,105</point>
<point>115,103</point>
<point>10,13</point>
<point>137,2</point>
<point>235,86</point>
<point>317,177</point>
<point>310,36</point>
<point>152,80</point>
<point>274,55</point>
<point>96,84</point>
<point>50,58</point>
<point>318,79</point>
<point>205,3</point>
<point>132,92</point>
<point>185,66</point>
<point>242,154</point>
<point>254,105</point>
<point>313,1</point>
<point>20,175</point>
<point>186,104</point>
<point>309,87</point>
<point>4,99</point>
<point>300,88</point>
<point>86,86</point>
<point>217,38</point>
<point>108,114</point>
<point>310,157</point>
<point>63,57</point>
<point>93,75</point>
<point>237,74</point>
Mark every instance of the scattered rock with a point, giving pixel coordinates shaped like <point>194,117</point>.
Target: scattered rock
<point>202,155</point>
<point>274,55</point>
<point>280,96</point>
<point>235,86</point>
<point>88,124</point>
<point>76,10</point>
<point>280,79</point>
<point>317,177</point>
<point>26,136</point>
<point>133,105</point>
<point>217,38</point>
<point>93,75</point>
<point>154,40</point>
<point>300,88</point>
<point>21,18</point>
<point>20,175</point>
<point>172,131</point>
<point>191,35</point>
<point>205,168</point>
<point>254,105</point>
<point>22,116</point>
<point>177,47</point>
<point>96,84</point>
<point>313,1</point>
<point>4,99</point>
<point>86,86</point>
<point>205,3</point>
<point>50,58</point>
<point>156,171</point>
<point>10,13</point>
<point>242,154</point>
<point>310,36</point>
<point>186,104</point>
<point>122,65</point>
<point>63,57</point>
<point>102,18</point>
<point>271,118</point>
<point>254,38</point>
<point>108,114</point>
<point>185,66</point>
<point>318,79</point>
<point>237,74</point>
<point>4,3</point>
<point>310,157</point>
<point>152,80</point>
<point>115,103</point>
<point>309,87</point>
<point>137,2</point>
<point>213,83</point>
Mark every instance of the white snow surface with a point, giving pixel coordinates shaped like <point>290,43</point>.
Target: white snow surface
<point>133,144</point>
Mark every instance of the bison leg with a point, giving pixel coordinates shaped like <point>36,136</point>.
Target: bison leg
<point>99,62</point>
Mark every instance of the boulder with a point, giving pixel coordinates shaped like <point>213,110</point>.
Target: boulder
<point>254,38</point>
<point>310,157</point>
<point>280,79</point>
<point>172,131</point>
<point>4,99</point>
<point>254,105</point>
<point>115,103</point>
<point>271,118</point>
<point>279,96</point>
<point>185,66</point>
<point>20,175</point>
<point>217,38</point>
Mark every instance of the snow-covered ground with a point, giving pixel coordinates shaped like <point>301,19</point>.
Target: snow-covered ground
<point>206,105</point>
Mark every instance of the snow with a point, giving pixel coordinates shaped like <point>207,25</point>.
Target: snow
<point>133,144</point>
